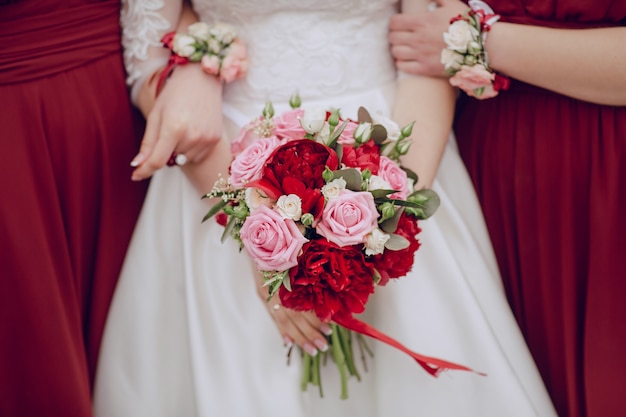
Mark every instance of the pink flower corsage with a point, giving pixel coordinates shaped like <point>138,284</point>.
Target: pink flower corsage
<point>216,47</point>
<point>465,57</point>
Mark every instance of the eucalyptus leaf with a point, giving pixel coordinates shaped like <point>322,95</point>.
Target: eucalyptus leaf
<point>397,242</point>
<point>379,134</point>
<point>214,210</point>
<point>391,225</point>
<point>364,116</point>
<point>286,281</point>
<point>382,193</point>
<point>351,176</point>
<point>411,174</point>
<point>428,199</point>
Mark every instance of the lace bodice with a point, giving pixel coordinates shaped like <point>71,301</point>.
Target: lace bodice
<point>319,47</point>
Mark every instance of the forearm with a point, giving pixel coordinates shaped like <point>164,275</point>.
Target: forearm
<point>584,64</point>
<point>430,103</point>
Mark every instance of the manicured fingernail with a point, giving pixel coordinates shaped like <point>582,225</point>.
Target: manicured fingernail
<point>137,160</point>
<point>308,348</point>
<point>326,329</point>
<point>287,342</point>
<point>321,344</point>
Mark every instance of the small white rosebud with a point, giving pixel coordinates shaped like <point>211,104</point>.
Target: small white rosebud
<point>184,45</point>
<point>377,183</point>
<point>200,30</point>
<point>313,120</point>
<point>334,188</point>
<point>289,207</point>
<point>223,32</point>
<point>363,132</point>
<point>256,198</point>
<point>375,242</point>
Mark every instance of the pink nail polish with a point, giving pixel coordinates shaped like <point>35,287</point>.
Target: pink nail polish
<point>326,329</point>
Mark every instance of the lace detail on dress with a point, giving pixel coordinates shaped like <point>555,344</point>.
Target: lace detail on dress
<point>143,26</point>
<point>327,43</point>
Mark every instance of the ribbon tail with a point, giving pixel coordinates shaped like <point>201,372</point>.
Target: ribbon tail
<point>431,365</point>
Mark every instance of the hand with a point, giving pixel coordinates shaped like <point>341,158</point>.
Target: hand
<point>300,327</point>
<point>417,38</point>
<point>185,118</point>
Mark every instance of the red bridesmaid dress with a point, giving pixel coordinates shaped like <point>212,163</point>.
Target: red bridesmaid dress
<point>67,205</point>
<point>550,172</point>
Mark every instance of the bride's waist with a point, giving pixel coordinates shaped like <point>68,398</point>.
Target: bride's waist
<point>240,105</point>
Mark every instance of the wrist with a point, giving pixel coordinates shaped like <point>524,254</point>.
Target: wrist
<point>216,48</point>
<point>465,56</point>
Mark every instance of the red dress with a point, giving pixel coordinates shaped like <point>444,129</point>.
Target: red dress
<point>67,205</point>
<point>550,172</point>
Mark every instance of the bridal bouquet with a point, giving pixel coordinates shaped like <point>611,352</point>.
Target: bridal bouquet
<point>326,211</point>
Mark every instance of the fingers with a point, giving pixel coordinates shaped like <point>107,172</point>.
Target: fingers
<point>301,328</point>
<point>403,22</point>
<point>148,142</point>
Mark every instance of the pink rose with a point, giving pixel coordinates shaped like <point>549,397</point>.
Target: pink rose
<point>347,135</point>
<point>287,125</point>
<point>235,63</point>
<point>210,64</point>
<point>248,165</point>
<point>348,218</point>
<point>272,242</point>
<point>476,81</point>
<point>246,137</point>
<point>395,176</point>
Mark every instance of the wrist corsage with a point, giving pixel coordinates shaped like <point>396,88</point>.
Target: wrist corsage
<point>465,57</point>
<point>216,47</point>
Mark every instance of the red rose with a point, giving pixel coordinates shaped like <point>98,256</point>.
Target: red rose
<point>398,263</point>
<point>296,168</point>
<point>366,156</point>
<point>329,280</point>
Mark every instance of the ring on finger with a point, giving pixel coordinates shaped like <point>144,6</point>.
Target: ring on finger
<point>276,307</point>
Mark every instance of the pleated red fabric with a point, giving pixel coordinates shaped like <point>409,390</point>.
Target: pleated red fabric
<point>550,173</point>
<point>67,205</point>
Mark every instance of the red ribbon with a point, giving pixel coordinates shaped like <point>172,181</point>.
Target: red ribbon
<point>168,42</point>
<point>433,366</point>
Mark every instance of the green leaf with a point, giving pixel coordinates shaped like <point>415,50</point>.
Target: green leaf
<point>214,210</point>
<point>382,193</point>
<point>379,134</point>
<point>363,116</point>
<point>423,203</point>
<point>391,225</point>
<point>336,133</point>
<point>229,227</point>
<point>397,242</point>
<point>351,176</point>
<point>411,174</point>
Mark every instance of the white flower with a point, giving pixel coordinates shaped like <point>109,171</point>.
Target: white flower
<point>362,132</point>
<point>215,46</point>
<point>200,30</point>
<point>289,207</point>
<point>184,45</point>
<point>333,188</point>
<point>459,35</point>
<point>312,121</point>
<point>324,135</point>
<point>375,242</point>
<point>255,198</point>
<point>393,130</point>
<point>451,60</point>
<point>223,32</point>
<point>377,183</point>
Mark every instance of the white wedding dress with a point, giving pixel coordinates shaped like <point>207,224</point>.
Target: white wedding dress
<point>188,336</point>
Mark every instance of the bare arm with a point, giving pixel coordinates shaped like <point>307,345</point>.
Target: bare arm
<point>430,103</point>
<point>586,64</point>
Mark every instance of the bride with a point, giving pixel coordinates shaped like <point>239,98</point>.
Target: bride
<point>188,333</point>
